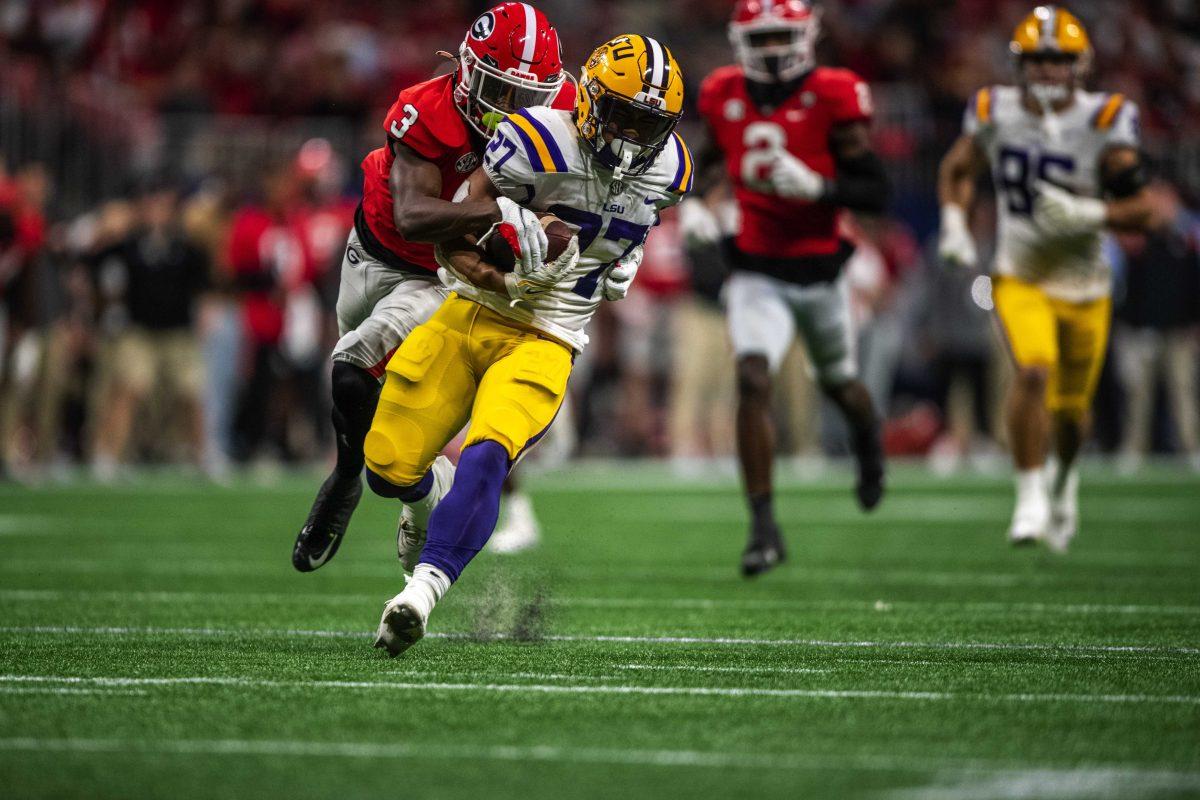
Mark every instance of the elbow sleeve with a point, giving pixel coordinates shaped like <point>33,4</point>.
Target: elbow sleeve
<point>861,184</point>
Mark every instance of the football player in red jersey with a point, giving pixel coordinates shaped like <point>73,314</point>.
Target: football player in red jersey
<point>794,139</point>
<point>435,133</point>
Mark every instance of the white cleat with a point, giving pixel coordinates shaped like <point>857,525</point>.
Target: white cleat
<point>1031,517</point>
<point>414,519</point>
<point>520,529</point>
<point>1064,514</point>
<point>402,625</point>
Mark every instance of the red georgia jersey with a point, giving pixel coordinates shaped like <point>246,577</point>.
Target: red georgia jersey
<point>774,226</point>
<point>425,119</point>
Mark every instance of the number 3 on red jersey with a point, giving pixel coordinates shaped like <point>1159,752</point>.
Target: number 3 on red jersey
<point>410,116</point>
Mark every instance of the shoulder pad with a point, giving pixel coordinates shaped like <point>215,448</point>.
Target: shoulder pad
<point>535,135</point>
<point>1108,111</point>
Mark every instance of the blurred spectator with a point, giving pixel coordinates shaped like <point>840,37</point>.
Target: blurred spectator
<point>272,270</point>
<point>23,310</point>
<point>1158,328</point>
<point>149,284</point>
<point>105,93</point>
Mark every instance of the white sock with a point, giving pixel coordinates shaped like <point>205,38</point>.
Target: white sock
<point>1066,482</point>
<point>427,585</point>
<point>443,478</point>
<point>1030,485</point>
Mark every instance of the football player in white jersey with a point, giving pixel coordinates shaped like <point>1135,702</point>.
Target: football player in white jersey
<point>1066,166</point>
<point>500,350</point>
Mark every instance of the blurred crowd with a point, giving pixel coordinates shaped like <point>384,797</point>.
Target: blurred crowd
<point>177,180</point>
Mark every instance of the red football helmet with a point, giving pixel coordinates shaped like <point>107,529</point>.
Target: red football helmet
<point>774,40</point>
<point>511,59</point>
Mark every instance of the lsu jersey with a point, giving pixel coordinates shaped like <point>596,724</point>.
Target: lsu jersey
<point>748,138</point>
<point>537,159</point>
<point>1065,149</point>
<point>425,119</point>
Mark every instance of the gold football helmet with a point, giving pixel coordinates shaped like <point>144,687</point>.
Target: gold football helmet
<point>1055,35</point>
<point>629,101</point>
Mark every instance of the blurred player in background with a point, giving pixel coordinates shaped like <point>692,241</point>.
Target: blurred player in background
<point>436,130</point>
<point>500,350</point>
<point>795,141</point>
<point>1066,166</point>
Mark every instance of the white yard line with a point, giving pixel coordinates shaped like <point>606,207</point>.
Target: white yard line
<point>577,755</point>
<point>585,689</point>
<point>1095,783</point>
<point>68,690</point>
<point>798,575</point>
<point>702,640</point>
<point>696,604</point>
<point>736,670</point>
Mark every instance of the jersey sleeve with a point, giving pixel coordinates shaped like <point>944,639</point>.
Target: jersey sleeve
<point>1118,119</point>
<point>413,120</point>
<point>849,97</point>
<point>706,100</point>
<point>518,152</point>
<point>977,119</point>
<point>681,171</point>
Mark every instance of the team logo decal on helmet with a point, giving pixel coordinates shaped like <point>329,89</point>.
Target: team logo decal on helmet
<point>774,40</point>
<point>629,101</point>
<point>484,26</point>
<point>510,59</point>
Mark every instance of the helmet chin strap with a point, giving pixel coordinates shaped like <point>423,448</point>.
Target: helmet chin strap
<point>626,156</point>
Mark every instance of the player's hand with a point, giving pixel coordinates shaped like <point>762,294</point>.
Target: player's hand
<point>955,244</point>
<point>524,284</point>
<point>531,239</point>
<point>620,275</point>
<point>792,178</point>
<point>698,224</point>
<point>1058,211</point>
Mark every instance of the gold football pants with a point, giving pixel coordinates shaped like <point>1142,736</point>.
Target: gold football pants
<point>466,363</point>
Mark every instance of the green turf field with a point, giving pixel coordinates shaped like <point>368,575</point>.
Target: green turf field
<point>156,642</point>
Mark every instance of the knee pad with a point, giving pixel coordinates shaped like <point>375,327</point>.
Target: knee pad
<point>354,390</point>
<point>410,493</point>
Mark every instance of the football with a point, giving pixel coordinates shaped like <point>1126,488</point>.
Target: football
<point>558,233</point>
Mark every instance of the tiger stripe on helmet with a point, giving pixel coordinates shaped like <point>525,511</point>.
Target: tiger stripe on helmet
<point>1108,113</point>
<point>1050,27</point>
<point>530,30</point>
<point>658,68</point>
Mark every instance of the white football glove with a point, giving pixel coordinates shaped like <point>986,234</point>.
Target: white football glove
<point>531,239</point>
<point>698,225</point>
<point>792,178</point>
<point>619,277</point>
<point>955,245</point>
<point>524,284</point>
<point>1058,211</point>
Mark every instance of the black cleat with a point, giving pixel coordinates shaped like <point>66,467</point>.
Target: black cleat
<point>869,488</point>
<point>764,551</point>
<point>322,533</point>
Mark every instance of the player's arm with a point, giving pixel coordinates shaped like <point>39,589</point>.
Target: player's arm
<point>1123,176</point>
<point>959,172</point>
<point>698,223</point>
<point>860,183</point>
<point>1126,207</point>
<point>460,254</point>
<point>957,175</point>
<point>418,210</point>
